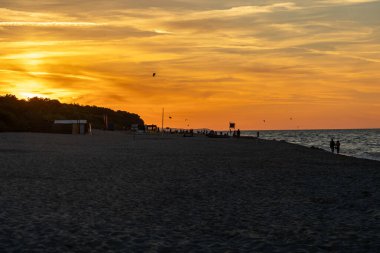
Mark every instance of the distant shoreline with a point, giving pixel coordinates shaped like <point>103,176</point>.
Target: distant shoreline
<point>175,135</point>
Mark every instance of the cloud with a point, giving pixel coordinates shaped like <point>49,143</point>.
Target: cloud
<point>242,11</point>
<point>50,24</point>
<point>347,1</point>
<point>71,32</point>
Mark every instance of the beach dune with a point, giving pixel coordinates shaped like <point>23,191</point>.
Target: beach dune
<point>150,193</point>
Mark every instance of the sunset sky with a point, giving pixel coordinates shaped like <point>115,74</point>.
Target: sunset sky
<point>295,64</point>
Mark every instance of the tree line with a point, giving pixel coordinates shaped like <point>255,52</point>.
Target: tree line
<point>38,115</point>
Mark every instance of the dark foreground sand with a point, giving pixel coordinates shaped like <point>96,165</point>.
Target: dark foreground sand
<point>110,193</point>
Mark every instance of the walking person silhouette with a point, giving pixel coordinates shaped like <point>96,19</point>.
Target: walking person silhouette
<point>337,146</point>
<point>332,145</point>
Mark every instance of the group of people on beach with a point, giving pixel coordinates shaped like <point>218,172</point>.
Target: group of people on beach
<point>236,133</point>
<point>334,145</point>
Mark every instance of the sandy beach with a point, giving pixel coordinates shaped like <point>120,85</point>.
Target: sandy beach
<point>111,192</point>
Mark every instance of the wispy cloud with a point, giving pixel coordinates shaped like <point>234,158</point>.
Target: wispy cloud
<point>51,24</point>
<point>242,11</point>
<point>347,1</point>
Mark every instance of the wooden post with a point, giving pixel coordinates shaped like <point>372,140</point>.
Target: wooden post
<point>162,121</point>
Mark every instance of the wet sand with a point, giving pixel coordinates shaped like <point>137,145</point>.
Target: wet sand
<point>111,192</point>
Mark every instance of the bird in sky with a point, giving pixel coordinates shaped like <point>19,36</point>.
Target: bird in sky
<point>154,74</point>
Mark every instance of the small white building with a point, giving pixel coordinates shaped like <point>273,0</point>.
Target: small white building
<point>78,126</point>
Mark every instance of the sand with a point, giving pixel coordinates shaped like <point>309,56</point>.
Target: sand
<point>110,192</point>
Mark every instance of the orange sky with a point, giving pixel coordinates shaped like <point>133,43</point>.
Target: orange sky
<point>294,64</point>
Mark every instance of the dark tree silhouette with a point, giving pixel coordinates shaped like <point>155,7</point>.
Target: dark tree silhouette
<point>38,115</point>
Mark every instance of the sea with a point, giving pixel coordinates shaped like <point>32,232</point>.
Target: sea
<point>361,143</point>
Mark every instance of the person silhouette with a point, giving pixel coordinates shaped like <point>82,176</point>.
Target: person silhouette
<point>337,147</point>
<point>238,133</point>
<point>332,145</point>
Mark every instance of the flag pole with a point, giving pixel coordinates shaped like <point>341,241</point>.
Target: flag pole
<point>162,121</point>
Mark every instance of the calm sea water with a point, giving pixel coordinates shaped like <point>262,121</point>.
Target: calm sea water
<point>362,143</point>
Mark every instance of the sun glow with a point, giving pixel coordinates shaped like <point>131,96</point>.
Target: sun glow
<point>26,95</point>
<point>26,92</point>
<point>30,89</point>
<point>33,59</point>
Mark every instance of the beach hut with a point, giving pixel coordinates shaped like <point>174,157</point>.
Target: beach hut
<point>80,126</point>
<point>134,127</point>
<point>151,128</point>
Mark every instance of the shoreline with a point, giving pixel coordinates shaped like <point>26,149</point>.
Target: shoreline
<point>359,143</point>
<point>98,131</point>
